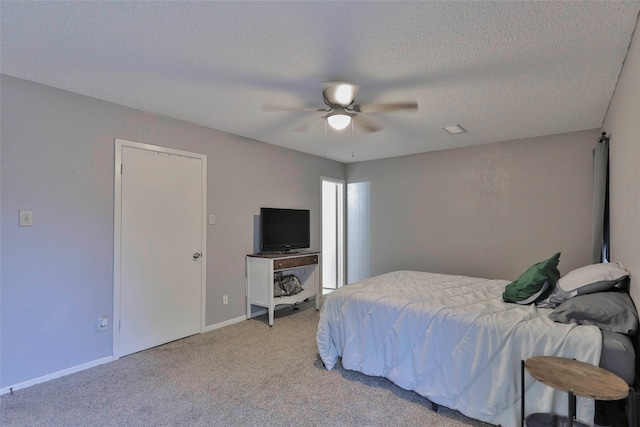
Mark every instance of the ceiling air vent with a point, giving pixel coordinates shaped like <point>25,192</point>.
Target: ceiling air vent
<point>454,129</point>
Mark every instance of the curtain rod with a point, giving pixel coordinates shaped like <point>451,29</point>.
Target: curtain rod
<point>604,138</point>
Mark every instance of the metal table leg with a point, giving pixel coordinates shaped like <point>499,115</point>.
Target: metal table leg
<point>522,393</point>
<point>572,408</point>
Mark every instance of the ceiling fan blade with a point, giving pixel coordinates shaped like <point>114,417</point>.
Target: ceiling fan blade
<point>273,107</point>
<point>340,93</point>
<point>367,124</point>
<point>306,124</point>
<point>381,108</point>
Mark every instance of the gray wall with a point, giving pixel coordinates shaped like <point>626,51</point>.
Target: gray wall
<point>623,126</point>
<point>58,160</point>
<point>486,211</point>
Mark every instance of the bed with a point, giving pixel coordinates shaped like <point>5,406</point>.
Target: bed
<point>453,340</point>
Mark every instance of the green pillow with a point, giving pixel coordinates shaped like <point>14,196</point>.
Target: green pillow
<point>533,280</point>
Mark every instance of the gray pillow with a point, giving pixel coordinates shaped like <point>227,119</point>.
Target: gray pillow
<point>610,311</point>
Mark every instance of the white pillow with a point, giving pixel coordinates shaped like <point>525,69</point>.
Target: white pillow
<point>585,280</point>
<point>556,297</point>
<point>593,278</point>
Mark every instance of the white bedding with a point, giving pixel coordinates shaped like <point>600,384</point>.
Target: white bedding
<point>453,340</point>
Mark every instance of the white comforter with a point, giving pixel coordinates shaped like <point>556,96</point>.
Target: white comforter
<point>453,340</point>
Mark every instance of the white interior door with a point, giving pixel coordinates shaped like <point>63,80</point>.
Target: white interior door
<point>161,248</point>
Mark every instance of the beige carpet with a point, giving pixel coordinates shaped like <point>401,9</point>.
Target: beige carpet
<point>246,374</point>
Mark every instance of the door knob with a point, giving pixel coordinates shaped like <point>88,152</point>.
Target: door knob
<point>196,256</point>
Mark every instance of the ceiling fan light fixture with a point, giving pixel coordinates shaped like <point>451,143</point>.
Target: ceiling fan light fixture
<point>339,121</point>
<point>344,94</point>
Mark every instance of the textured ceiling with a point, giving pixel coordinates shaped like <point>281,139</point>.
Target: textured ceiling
<point>503,70</point>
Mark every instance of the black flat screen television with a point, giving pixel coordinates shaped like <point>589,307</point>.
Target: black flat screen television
<point>282,230</point>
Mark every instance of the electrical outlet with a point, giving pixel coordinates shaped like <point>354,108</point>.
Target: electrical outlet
<point>26,218</point>
<point>225,299</point>
<point>102,324</point>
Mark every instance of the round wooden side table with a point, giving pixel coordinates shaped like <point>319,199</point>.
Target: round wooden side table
<point>577,379</point>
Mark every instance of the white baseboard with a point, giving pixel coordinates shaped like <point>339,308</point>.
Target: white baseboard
<point>262,311</point>
<point>93,363</point>
<point>55,375</point>
<point>265,311</point>
<point>225,323</point>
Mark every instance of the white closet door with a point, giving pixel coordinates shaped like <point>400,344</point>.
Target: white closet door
<point>161,237</point>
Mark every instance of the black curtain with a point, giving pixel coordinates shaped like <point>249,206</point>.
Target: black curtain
<point>600,230</point>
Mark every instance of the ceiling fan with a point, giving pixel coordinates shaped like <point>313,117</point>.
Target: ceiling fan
<point>341,109</point>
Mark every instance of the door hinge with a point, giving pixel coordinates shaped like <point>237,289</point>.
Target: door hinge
<point>121,168</point>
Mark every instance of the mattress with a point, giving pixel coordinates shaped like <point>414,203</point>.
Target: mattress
<point>618,355</point>
<point>452,340</point>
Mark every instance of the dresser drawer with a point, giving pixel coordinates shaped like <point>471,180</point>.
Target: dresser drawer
<point>282,264</point>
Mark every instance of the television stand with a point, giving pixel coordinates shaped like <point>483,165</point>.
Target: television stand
<point>260,277</point>
<point>282,253</point>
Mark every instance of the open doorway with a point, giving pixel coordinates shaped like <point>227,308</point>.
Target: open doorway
<point>332,234</point>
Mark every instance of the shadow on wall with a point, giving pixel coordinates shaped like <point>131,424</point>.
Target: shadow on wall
<point>358,231</point>
<point>256,234</point>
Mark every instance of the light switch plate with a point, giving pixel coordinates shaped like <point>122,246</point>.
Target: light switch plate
<point>212,219</point>
<point>26,218</point>
<point>102,324</point>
